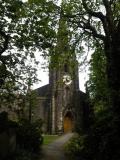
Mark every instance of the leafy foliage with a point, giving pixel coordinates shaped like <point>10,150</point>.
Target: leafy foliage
<point>74,149</point>
<point>22,154</point>
<point>31,25</point>
<point>29,135</point>
<point>30,104</point>
<point>97,23</point>
<point>25,28</point>
<point>97,83</point>
<point>101,142</point>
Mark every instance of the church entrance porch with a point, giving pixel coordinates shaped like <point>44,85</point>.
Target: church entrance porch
<point>68,124</point>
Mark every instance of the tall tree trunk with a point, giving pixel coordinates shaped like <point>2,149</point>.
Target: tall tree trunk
<point>112,50</point>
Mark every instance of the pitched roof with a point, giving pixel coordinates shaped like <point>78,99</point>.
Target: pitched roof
<point>43,91</point>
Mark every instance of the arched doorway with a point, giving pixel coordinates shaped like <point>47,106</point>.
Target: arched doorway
<point>68,122</point>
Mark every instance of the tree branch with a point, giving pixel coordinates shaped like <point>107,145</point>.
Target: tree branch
<point>93,31</point>
<point>6,41</point>
<point>92,13</point>
<point>99,15</point>
<point>88,26</point>
<point>109,14</point>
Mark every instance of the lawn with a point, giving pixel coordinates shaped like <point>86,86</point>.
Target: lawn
<point>47,139</point>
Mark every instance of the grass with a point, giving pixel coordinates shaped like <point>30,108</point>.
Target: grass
<point>47,139</point>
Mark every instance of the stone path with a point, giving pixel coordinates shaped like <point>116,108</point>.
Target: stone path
<point>54,151</point>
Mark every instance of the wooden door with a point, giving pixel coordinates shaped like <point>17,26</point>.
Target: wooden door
<point>68,123</point>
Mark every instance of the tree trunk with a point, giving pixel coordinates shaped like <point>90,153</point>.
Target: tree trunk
<point>112,50</point>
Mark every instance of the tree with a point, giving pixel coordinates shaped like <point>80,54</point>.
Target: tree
<point>25,28</point>
<point>100,20</point>
<point>91,23</point>
<point>97,83</point>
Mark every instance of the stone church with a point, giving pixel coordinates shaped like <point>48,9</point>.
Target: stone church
<point>61,105</point>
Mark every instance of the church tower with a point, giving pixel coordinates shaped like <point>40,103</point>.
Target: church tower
<point>64,82</point>
<point>61,105</point>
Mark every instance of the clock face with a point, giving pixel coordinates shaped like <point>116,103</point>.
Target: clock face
<point>67,79</point>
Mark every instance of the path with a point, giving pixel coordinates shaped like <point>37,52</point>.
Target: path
<point>54,151</point>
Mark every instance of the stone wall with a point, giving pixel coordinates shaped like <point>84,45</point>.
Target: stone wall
<point>7,143</point>
<point>7,136</point>
<point>42,111</point>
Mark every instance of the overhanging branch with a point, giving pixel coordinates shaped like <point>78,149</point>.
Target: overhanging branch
<point>88,28</point>
<point>99,15</point>
<point>92,13</point>
<point>93,31</point>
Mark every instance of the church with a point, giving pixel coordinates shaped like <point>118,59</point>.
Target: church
<point>60,104</point>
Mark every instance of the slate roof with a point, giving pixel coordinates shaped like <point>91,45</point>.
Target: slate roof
<point>43,91</point>
<point>81,93</point>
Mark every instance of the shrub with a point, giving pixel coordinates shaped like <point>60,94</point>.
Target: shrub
<point>75,148</point>
<point>22,154</point>
<point>3,121</point>
<point>29,135</point>
<point>101,142</point>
